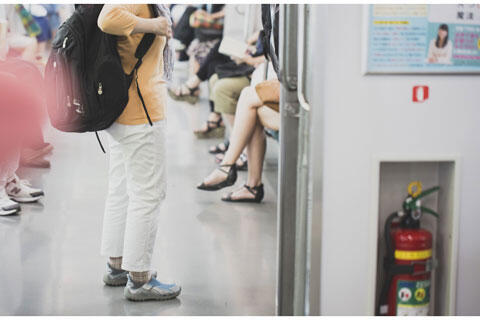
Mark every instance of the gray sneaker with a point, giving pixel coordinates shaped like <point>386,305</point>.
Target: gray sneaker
<point>152,290</point>
<point>118,277</point>
<point>115,277</point>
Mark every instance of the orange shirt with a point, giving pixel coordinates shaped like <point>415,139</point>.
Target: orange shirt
<point>120,20</point>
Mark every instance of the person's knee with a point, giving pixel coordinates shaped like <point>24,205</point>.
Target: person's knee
<point>222,90</point>
<point>148,194</point>
<point>269,118</point>
<point>145,200</point>
<point>248,96</point>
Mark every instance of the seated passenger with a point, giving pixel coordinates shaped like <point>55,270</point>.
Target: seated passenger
<point>227,84</point>
<point>208,24</point>
<point>182,31</point>
<point>218,66</point>
<point>248,131</point>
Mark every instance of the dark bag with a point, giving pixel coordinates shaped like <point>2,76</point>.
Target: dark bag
<point>206,34</point>
<point>87,87</point>
<point>231,70</point>
<point>182,31</point>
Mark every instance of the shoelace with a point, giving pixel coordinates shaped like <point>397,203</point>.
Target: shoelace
<point>17,180</point>
<point>18,184</point>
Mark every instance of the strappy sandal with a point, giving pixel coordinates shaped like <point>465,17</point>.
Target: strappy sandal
<point>191,96</point>
<point>218,148</point>
<point>257,191</point>
<point>215,130</point>
<point>229,181</point>
<point>244,166</point>
<point>242,159</point>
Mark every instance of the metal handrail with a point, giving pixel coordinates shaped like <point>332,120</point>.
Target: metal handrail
<point>301,58</point>
<point>286,57</point>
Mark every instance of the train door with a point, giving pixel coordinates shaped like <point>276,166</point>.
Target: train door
<point>358,126</point>
<point>300,175</point>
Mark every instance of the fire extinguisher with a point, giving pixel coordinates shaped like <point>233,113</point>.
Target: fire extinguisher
<point>408,261</point>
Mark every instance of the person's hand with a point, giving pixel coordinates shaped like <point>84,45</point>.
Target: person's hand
<point>248,59</point>
<point>240,60</point>
<point>251,50</point>
<point>169,33</point>
<point>161,27</point>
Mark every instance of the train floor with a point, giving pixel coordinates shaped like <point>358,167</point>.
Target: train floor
<point>223,255</point>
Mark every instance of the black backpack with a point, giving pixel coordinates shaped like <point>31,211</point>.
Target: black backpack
<point>87,87</point>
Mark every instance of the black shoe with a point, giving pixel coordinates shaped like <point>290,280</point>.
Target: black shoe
<point>183,56</point>
<point>229,181</point>
<point>244,160</point>
<point>219,149</point>
<point>256,191</point>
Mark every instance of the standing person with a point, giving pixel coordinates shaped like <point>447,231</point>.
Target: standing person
<point>137,182</point>
<point>16,117</point>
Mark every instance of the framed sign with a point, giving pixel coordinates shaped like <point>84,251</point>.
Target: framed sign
<point>422,38</point>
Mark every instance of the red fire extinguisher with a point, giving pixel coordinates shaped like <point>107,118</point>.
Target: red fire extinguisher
<point>408,261</point>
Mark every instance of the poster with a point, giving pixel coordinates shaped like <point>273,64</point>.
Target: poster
<point>421,38</point>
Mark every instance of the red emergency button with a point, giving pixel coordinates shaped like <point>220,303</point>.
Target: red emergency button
<point>420,93</point>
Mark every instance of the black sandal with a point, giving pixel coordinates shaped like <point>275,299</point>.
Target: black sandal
<point>215,129</point>
<point>257,191</point>
<point>216,149</point>
<point>229,181</point>
<point>191,97</point>
<point>240,167</point>
<point>244,159</point>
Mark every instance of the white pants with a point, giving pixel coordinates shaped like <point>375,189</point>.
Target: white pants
<point>136,188</point>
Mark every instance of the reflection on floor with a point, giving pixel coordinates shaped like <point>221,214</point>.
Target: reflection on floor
<point>223,255</point>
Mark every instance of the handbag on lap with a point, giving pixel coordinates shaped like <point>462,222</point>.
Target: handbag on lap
<point>269,93</point>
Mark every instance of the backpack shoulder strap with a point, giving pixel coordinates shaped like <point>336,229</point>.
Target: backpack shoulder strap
<point>142,49</point>
<point>146,42</point>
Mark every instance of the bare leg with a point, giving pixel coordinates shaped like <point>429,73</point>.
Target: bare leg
<point>194,66</point>
<point>243,129</point>
<point>229,118</point>
<point>256,154</point>
<point>245,123</point>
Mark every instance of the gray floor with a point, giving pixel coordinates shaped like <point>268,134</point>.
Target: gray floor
<point>223,255</point>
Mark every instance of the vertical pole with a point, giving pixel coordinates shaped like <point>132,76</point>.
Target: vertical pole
<point>287,173</point>
<point>303,170</point>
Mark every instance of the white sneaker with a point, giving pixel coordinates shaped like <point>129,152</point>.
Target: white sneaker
<point>21,191</point>
<point>7,206</point>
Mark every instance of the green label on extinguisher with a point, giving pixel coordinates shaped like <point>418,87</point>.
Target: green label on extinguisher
<point>413,297</point>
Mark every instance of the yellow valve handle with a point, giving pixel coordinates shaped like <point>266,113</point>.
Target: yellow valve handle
<point>418,188</point>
